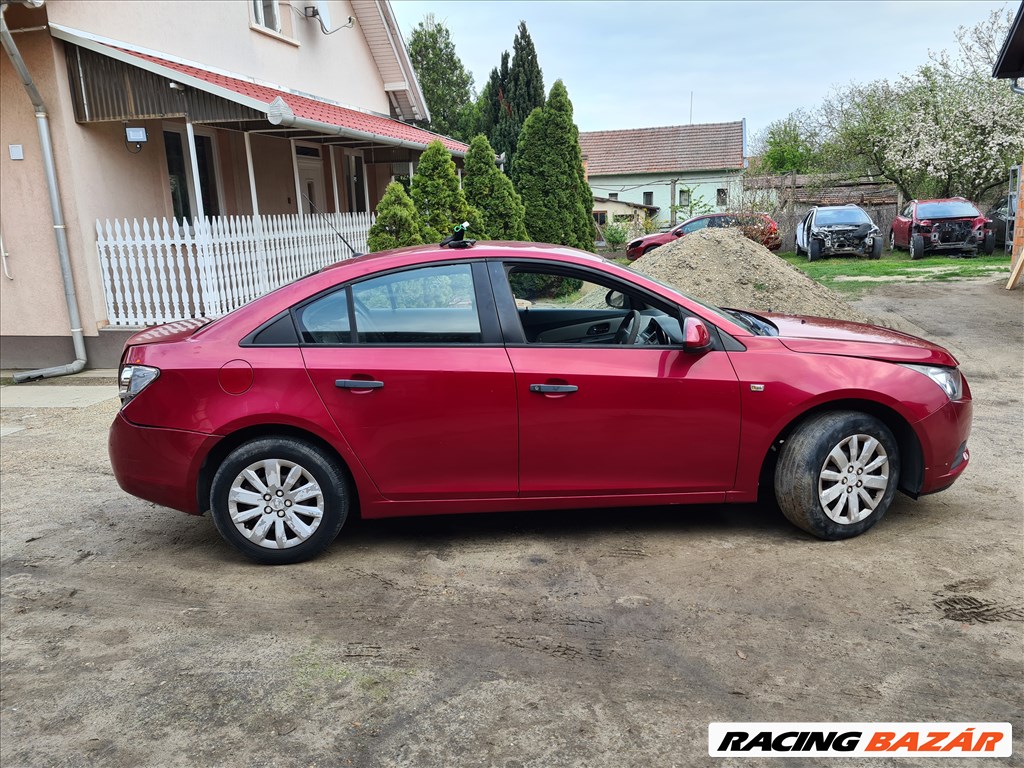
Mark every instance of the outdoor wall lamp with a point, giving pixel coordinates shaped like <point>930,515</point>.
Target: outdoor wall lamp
<point>135,135</point>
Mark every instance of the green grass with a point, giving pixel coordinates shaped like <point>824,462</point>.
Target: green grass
<point>851,273</point>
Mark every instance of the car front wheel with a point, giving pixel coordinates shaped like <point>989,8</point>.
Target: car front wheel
<point>279,500</point>
<point>837,474</point>
<point>814,250</point>
<point>892,241</point>
<point>916,247</point>
<point>876,248</point>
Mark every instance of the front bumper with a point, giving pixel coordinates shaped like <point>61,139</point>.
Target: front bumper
<point>157,464</point>
<point>943,437</point>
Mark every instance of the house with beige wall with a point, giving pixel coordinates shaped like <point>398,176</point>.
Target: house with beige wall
<point>205,151</point>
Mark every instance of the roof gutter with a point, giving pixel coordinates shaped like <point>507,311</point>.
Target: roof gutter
<point>59,229</point>
<point>279,113</point>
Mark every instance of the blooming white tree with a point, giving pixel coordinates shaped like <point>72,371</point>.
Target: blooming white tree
<point>947,129</point>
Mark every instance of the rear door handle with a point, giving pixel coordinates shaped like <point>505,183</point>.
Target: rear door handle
<point>562,389</point>
<point>358,384</point>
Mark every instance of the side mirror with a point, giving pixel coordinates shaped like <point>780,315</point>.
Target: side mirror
<point>615,299</point>
<point>696,336</point>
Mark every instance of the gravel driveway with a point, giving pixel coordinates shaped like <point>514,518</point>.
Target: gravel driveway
<point>132,636</point>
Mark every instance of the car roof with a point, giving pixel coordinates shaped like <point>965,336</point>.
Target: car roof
<point>945,200</point>
<point>837,207</point>
<point>481,249</point>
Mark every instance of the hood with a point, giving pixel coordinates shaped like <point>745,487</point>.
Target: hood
<point>160,334</point>
<point>818,335</point>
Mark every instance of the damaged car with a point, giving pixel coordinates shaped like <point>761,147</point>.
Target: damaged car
<point>950,225</point>
<point>838,230</point>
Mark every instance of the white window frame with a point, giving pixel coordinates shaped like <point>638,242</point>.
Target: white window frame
<point>198,130</point>
<point>259,17</point>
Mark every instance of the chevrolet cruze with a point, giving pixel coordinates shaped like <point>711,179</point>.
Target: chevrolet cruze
<point>516,376</point>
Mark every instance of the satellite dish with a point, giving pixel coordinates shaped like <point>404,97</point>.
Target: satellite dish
<point>324,12</point>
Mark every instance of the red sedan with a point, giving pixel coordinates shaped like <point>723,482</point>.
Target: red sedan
<point>949,225</point>
<point>759,227</point>
<point>428,381</point>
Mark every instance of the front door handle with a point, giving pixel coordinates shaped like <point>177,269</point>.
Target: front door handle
<point>358,384</point>
<point>548,389</point>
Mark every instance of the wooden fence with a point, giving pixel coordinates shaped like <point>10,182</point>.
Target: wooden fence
<point>161,270</point>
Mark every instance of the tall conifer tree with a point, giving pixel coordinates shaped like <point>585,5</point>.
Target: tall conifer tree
<point>548,174</point>
<point>492,194</point>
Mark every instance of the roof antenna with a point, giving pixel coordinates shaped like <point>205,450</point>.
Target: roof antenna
<point>455,239</point>
<point>318,212</point>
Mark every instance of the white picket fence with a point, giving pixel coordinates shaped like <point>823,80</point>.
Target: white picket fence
<point>161,270</point>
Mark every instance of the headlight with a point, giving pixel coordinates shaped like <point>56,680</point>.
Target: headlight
<point>947,378</point>
<point>134,379</point>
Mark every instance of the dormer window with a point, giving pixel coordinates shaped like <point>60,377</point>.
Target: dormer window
<point>267,14</point>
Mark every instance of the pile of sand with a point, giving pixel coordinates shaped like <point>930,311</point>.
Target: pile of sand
<point>722,267</point>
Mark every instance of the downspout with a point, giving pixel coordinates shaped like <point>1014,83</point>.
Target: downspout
<point>59,230</point>
<point>1016,87</point>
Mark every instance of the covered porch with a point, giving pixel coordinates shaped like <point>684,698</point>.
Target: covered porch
<point>244,186</point>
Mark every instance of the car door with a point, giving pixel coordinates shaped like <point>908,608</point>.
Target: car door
<point>901,226</point>
<point>612,418</point>
<point>801,231</point>
<point>411,368</point>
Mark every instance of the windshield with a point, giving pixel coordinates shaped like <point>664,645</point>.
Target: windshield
<point>946,210</point>
<point>828,217</point>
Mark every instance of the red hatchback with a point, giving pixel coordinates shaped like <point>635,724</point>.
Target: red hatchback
<point>429,381</point>
<point>759,227</point>
<point>950,225</point>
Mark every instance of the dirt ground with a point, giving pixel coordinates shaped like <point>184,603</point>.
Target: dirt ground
<point>132,636</point>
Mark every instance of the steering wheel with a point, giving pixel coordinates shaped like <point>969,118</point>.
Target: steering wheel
<point>629,329</point>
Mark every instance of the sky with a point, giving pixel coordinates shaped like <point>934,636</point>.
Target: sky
<point>634,64</point>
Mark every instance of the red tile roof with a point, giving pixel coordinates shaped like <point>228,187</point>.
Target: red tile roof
<point>706,147</point>
<point>308,108</point>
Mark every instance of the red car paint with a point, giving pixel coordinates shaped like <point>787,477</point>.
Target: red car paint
<point>767,233</point>
<point>458,428</point>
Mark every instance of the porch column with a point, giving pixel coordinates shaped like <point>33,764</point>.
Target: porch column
<point>252,176</point>
<point>410,170</point>
<point>257,222</point>
<point>295,171</point>
<point>366,185</point>
<point>207,281</point>
<point>334,178</point>
<point>197,190</point>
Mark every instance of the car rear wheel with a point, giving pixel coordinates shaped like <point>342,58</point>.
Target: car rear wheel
<point>837,474</point>
<point>814,250</point>
<point>279,500</point>
<point>916,247</point>
<point>990,244</point>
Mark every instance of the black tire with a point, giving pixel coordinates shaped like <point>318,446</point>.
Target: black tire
<point>648,249</point>
<point>916,247</point>
<point>796,247</point>
<point>876,249</point>
<point>322,468</point>
<point>803,472</point>
<point>990,244</point>
<point>892,242</point>
<point>814,250</point>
